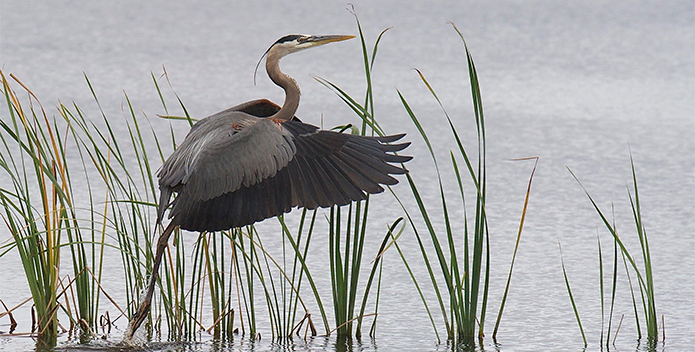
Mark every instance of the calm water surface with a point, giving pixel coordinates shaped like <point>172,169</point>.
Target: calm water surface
<point>578,84</point>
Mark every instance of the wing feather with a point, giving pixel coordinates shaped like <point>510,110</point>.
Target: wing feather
<point>225,153</point>
<point>273,169</point>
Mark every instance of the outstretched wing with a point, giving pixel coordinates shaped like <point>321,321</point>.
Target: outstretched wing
<point>327,168</point>
<point>333,168</point>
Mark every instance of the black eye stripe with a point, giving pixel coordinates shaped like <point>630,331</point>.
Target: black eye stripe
<point>289,38</point>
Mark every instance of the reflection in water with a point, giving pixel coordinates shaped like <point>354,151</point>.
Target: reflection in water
<point>316,344</point>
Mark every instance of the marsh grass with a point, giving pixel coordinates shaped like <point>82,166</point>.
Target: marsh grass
<point>463,303</point>
<point>463,298</point>
<point>466,280</point>
<point>571,296</point>
<point>41,216</point>
<point>644,273</point>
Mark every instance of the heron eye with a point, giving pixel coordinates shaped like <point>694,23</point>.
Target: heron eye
<point>301,40</point>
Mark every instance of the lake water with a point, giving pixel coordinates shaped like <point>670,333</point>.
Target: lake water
<point>578,84</point>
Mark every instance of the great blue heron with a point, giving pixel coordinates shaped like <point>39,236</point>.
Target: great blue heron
<point>257,160</point>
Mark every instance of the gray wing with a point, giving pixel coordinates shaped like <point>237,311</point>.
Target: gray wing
<point>328,168</point>
<point>223,153</point>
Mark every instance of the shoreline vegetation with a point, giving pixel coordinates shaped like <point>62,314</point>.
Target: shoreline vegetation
<point>229,277</point>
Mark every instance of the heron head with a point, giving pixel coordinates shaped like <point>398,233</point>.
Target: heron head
<point>297,42</point>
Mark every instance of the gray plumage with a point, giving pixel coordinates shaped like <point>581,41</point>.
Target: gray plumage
<point>234,169</point>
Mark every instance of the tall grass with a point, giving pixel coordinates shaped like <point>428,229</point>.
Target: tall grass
<point>38,154</point>
<point>571,296</point>
<point>466,279</point>
<point>40,213</point>
<point>463,303</point>
<point>130,190</point>
<point>36,237</point>
<point>644,274</point>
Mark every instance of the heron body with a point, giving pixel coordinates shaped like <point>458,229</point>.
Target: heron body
<point>234,169</point>
<point>257,160</point>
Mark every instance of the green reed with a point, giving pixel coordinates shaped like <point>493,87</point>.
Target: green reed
<point>569,292</point>
<point>644,274</point>
<point>41,214</point>
<point>466,271</point>
<point>45,221</point>
<point>30,161</point>
<point>466,279</point>
<point>280,280</point>
<point>299,246</point>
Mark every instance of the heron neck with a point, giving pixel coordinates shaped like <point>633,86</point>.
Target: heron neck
<point>291,88</point>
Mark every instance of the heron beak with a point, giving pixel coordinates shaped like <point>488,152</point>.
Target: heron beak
<point>316,40</point>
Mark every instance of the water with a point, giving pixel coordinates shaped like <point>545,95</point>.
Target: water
<point>578,84</point>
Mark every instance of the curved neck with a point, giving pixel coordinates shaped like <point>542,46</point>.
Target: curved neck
<point>292,93</point>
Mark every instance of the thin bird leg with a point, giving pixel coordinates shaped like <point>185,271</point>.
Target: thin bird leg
<point>144,308</point>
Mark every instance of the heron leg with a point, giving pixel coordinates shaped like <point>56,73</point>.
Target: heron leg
<point>145,304</point>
